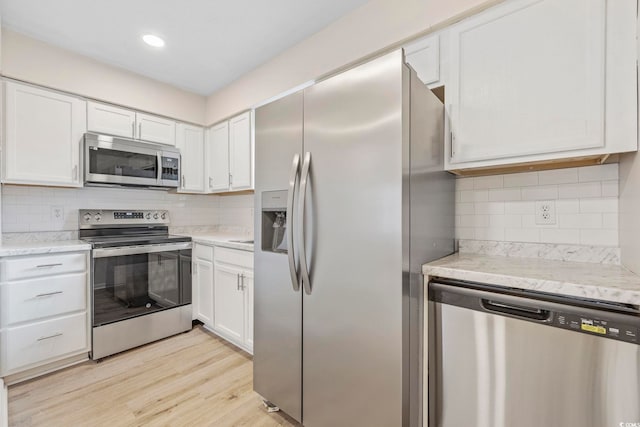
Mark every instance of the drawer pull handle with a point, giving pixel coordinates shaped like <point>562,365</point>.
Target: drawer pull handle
<point>50,336</point>
<point>48,294</point>
<point>49,265</point>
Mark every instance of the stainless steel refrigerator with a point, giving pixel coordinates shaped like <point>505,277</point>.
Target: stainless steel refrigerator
<point>351,199</point>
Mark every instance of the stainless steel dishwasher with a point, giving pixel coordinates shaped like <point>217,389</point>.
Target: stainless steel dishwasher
<point>500,357</point>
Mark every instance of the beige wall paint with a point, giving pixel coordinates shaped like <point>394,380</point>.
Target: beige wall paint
<point>374,27</point>
<point>34,61</point>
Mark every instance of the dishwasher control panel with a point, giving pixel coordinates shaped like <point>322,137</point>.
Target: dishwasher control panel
<point>595,326</point>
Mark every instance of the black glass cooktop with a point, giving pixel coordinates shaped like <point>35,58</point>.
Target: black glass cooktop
<point>132,240</point>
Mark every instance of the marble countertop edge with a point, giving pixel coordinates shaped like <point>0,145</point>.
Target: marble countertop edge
<point>576,279</point>
<point>39,248</point>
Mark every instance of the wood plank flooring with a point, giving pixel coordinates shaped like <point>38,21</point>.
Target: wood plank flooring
<point>193,379</point>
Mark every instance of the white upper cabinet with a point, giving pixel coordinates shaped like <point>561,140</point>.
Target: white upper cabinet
<point>240,152</point>
<point>217,154</point>
<point>43,134</point>
<point>190,141</point>
<point>110,120</point>
<point>538,80</point>
<point>156,129</point>
<point>229,151</point>
<point>424,57</point>
<point>117,121</point>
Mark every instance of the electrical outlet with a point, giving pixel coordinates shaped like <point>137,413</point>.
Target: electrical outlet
<point>57,213</point>
<point>545,212</point>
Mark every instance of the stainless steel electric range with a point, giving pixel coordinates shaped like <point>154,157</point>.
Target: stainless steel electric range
<point>140,278</point>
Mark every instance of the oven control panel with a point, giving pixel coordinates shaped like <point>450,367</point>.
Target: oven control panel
<point>101,217</point>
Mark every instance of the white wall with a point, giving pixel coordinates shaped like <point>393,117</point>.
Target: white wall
<point>34,61</point>
<point>502,207</point>
<point>376,26</point>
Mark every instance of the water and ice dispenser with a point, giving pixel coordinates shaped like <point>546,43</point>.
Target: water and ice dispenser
<point>274,221</point>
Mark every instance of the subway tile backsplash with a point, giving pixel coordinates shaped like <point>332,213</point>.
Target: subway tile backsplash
<point>28,209</point>
<point>503,207</point>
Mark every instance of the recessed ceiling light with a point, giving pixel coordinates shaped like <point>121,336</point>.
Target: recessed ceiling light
<point>152,40</point>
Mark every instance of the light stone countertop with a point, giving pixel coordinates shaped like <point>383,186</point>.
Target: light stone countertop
<point>39,248</point>
<point>576,279</point>
<point>222,239</point>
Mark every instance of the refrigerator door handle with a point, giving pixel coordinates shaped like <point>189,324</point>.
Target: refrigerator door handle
<point>304,180</point>
<point>293,266</point>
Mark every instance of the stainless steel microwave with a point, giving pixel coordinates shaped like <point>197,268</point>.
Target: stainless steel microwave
<point>111,160</point>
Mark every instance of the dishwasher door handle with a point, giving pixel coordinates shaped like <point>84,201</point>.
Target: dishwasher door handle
<point>521,311</point>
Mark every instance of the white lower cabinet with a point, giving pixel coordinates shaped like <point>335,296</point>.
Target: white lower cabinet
<point>36,342</point>
<point>44,313</point>
<point>223,293</point>
<point>228,301</point>
<point>203,295</point>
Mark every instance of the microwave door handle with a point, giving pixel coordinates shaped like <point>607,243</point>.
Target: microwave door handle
<point>159,177</point>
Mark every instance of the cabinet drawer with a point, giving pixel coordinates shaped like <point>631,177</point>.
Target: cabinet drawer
<point>43,297</point>
<point>43,341</point>
<point>47,265</point>
<point>235,257</point>
<point>203,252</point>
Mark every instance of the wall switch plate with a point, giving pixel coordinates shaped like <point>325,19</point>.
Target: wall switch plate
<point>57,213</point>
<point>545,212</point>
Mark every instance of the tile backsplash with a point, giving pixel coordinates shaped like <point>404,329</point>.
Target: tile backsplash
<point>34,209</point>
<point>503,207</point>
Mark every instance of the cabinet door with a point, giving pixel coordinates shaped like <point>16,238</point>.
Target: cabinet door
<point>527,78</point>
<point>424,57</point>
<point>102,118</point>
<point>228,303</point>
<point>156,129</point>
<point>44,130</point>
<point>240,152</point>
<point>217,153</point>
<point>190,141</point>
<point>204,291</point>
<point>248,308</point>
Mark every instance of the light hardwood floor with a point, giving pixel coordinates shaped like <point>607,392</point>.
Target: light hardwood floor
<point>193,379</point>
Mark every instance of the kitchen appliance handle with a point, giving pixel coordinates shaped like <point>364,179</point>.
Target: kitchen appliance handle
<point>159,175</point>
<point>293,266</point>
<point>304,182</point>
<point>529,313</point>
<point>141,249</point>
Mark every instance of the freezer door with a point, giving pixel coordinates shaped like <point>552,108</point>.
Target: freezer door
<point>352,315</point>
<point>277,348</point>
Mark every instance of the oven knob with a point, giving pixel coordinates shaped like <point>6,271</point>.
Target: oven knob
<point>148,215</point>
<point>87,217</point>
<point>97,217</point>
<point>164,215</point>
<point>155,215</point>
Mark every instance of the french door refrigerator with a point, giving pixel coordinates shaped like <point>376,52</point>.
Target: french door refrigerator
<point>351,199</point>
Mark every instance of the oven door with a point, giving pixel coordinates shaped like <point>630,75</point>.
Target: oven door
<point>137,280</point>
<point>113,161</point>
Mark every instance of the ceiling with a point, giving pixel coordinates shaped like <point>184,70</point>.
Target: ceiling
<point>209,43</point>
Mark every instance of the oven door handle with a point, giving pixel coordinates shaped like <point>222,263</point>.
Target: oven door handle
<point>142,249</point>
